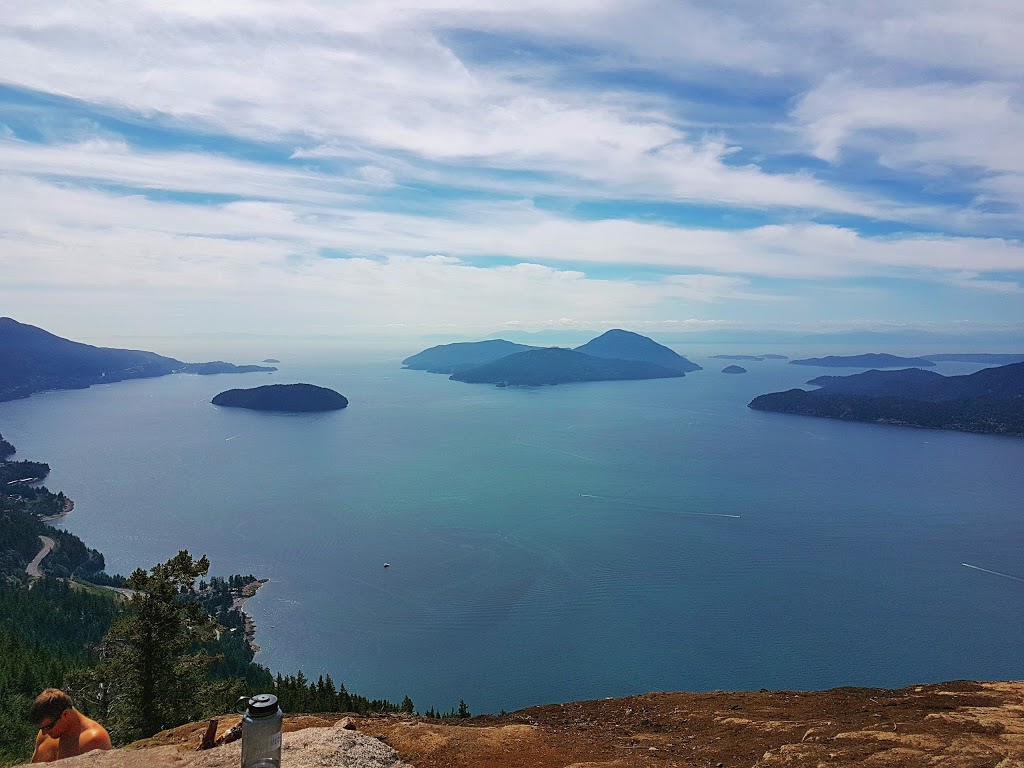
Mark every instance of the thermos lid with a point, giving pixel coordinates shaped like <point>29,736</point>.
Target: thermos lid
<point>262,705</point>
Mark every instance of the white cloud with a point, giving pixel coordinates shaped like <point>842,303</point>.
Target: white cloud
<point>377,105</point>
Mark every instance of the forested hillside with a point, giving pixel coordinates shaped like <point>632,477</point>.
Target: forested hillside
<point>61,629</point>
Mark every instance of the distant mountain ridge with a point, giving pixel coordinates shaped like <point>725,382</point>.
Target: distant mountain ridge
<point>449,358</point>
<point>989,401</point>
<point>871,360</point>
<point>33,360</point>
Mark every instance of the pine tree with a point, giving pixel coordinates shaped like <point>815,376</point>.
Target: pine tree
<point>149,672</point>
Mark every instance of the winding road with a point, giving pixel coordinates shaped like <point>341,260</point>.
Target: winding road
<point>32,569</point>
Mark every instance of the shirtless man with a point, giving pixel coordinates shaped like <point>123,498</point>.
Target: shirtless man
<point>63,730</point>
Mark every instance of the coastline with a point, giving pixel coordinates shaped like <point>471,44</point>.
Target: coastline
<point>239,605</point>
<point>68,506</point>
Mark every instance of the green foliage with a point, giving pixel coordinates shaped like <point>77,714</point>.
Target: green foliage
<point>45,633</point>
<point>20,531</point>
<point>26,668</point>
<point>985,415</point>
<point>461,713</point>
<point>6,449</point>
<point>151,675</point>
<point>297,694</point>
<point>12,471</point>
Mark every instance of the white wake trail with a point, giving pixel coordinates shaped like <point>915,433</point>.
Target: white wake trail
<point>994,573</point>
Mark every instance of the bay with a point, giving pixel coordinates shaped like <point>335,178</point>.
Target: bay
<point>559,543</point>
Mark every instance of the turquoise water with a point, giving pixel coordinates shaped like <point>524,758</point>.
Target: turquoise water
<point>561,543</point>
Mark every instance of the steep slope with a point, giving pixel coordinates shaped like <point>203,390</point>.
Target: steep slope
<point>34,360</point>
<point>626,345</point>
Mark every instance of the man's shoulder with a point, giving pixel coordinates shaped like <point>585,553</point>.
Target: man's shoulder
<point>94,736</point>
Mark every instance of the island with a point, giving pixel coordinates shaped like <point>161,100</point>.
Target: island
<point>33,360</point>
<point>871,360</point>
<point>449,358</point>
<point>270,360</point>
<point>219,366</point>
<point>291,398</point>
<point>990,401</point>
<point>737,357</point>
<point>774,357</point>
<point>618,344</point>
<point>554,365</point>
<point>734,369</point>
<point>615,355</point>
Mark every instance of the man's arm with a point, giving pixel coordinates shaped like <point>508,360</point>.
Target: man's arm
<point>43,753</point>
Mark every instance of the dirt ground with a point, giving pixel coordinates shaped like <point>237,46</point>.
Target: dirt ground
<point>954,725</point>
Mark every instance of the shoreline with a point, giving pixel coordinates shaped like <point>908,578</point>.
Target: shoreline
<point>238,604</point>
<point>68,506</point>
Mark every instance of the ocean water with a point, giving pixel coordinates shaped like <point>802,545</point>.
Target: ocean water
<point>560,543</point>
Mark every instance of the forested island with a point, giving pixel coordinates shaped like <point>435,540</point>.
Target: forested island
<point>616,355</point>
<point>33,360</point>
<point>990,401</point>
<point>734,369</point>
<point>292,398</point>
<point>541,367</point>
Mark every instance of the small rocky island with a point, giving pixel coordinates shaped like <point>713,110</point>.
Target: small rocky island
<point>290,398</point>
<point>734,369</point>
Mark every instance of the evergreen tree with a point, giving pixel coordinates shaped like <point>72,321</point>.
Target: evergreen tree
<point>150,676</point>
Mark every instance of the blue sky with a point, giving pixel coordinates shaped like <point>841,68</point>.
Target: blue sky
<point>397,170</point>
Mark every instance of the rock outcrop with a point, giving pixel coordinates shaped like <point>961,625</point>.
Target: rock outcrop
<point>333,747</point>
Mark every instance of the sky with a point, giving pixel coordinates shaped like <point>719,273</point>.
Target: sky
<point>401,170</point>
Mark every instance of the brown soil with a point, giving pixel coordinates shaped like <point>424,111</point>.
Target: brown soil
<point>959,725</point>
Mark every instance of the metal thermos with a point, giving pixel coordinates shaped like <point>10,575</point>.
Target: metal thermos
<point>261,732</point>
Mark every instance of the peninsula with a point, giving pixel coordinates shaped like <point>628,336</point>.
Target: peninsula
<point>292,398</point>
<point>33,360</point>
<point>990,401</point>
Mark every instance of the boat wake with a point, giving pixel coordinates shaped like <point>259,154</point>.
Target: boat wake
<point>994,573</point>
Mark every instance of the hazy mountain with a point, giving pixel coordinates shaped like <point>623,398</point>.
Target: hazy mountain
<point>871,360</point>
<point>984,358</point>
<point>626,345</point>
<point>448,358</point>
<point>554,365</point>
<point>34,360</point>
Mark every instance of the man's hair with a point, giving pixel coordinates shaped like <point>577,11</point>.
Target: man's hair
<point>49,704</point>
